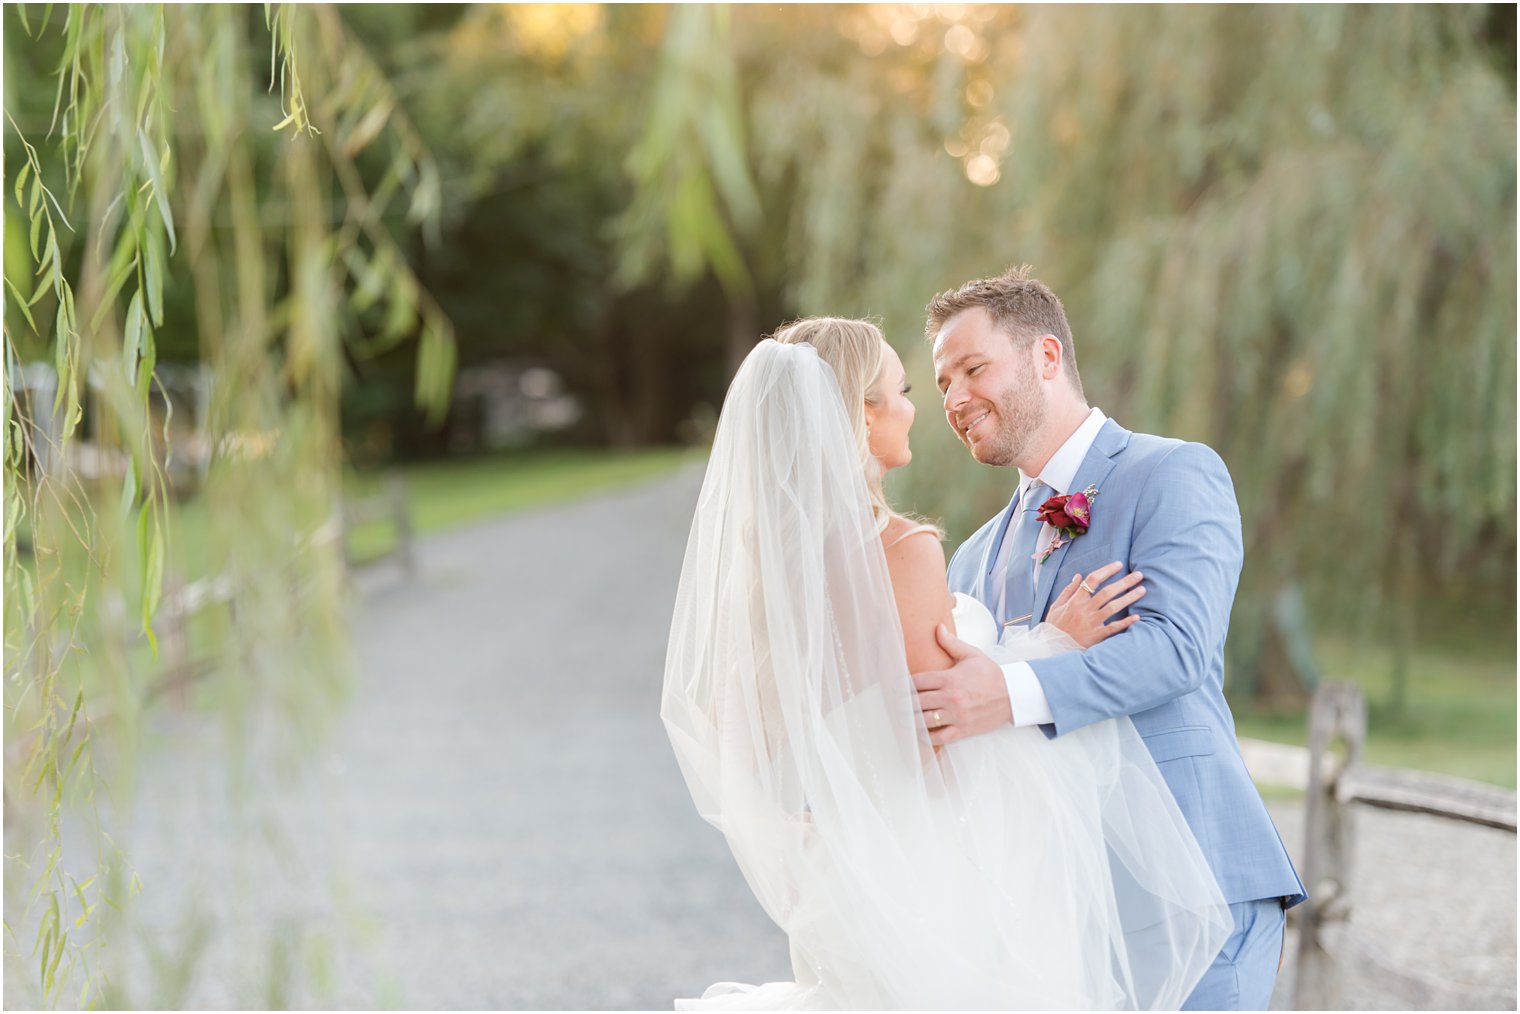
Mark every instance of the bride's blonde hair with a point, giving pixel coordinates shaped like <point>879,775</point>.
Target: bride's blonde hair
<point>852,348</point>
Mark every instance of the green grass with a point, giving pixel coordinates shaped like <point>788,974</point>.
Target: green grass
<point>448,494</point>
<point>1459,714</point>
<point>440,495</point>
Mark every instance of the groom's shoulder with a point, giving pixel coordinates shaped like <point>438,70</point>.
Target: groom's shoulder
<point>1150,449</point>
<point>1149,457</point>
<point>1148,446</point>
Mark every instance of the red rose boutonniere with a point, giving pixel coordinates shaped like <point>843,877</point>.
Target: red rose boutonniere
<point>1069,515</point>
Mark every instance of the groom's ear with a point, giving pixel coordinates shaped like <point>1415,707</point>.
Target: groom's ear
<point>1048,349</point>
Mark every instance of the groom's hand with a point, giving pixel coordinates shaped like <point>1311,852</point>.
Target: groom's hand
<point>967,699</point>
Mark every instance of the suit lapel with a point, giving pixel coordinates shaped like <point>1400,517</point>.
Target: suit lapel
<point>987,587</point>
<point>1095,468</point>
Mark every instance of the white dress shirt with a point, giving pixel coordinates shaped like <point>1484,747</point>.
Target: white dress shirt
<point>1024,691</point>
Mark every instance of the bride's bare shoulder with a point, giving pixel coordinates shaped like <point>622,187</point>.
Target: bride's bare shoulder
<point>899,529</point>
<point>913,552</point>
<point>916,565</point>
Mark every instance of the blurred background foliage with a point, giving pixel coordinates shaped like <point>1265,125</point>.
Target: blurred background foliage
<point>1286,232</point>
<point>545,230</point>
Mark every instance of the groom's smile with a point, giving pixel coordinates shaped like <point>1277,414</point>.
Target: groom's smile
<point>975,421</point>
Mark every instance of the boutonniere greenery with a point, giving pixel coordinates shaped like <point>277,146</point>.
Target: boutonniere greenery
<point>1069,515</point>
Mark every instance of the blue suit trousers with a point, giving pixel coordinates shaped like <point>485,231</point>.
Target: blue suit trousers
<point>1244,972</point>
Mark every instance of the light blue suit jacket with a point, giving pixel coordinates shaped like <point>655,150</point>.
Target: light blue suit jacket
<point>1166,508</point>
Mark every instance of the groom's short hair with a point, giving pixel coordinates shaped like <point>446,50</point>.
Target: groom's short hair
<point>1022,307</point>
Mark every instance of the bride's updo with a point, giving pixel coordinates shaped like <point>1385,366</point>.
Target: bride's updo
<point>852,348</point>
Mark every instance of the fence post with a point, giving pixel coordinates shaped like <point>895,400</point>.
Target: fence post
<point>174,643</point>
<point>395,485</point>
<point>1339,711</point>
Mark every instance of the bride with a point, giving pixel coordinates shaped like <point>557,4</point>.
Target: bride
<point>1002,871</point>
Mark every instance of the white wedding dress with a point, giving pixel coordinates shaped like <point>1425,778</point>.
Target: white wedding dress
<point>1008,871</point>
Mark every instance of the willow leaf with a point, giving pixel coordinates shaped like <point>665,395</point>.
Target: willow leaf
<point>129,487</point>
<point>21,304</point>
<point>21,176</point>
<point>153,271</point>
<point>150,547</point>
<point>160,192</point>
<point>134,331</point>
<point>35,234</point>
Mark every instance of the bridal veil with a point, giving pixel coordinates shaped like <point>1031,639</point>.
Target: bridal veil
<point>1008,871</point>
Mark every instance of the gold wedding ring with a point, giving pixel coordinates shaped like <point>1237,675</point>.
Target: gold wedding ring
<point>937,720</point>
<point>1090,591</point>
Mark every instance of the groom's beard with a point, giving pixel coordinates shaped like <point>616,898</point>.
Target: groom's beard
<point>1021,413</point>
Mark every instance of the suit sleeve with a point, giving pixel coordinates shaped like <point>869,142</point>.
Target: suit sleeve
<point>950,574</point>
<point>1187,543</point>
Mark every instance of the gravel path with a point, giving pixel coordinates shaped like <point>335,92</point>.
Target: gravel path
<point>510,829</point>
<point>510,716</point>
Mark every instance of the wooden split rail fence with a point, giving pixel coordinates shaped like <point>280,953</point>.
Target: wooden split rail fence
<point>180,667</point>
<point>1334,784</point>
<point>390,504</point>
<point>180,605</point>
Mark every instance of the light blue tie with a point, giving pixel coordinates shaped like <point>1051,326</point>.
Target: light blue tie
<point>1020,597</point>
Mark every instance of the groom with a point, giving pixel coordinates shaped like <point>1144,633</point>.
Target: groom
<point>1006,365</point>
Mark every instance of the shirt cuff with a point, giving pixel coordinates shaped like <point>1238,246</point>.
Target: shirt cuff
<point>1026,696</point>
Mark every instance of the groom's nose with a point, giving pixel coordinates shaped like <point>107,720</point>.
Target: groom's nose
<point>955,397</point>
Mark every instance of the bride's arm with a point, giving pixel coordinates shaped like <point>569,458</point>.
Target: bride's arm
<point>917,566</point>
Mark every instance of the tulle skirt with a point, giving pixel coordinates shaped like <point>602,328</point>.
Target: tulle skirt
<point>1071,852</point>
